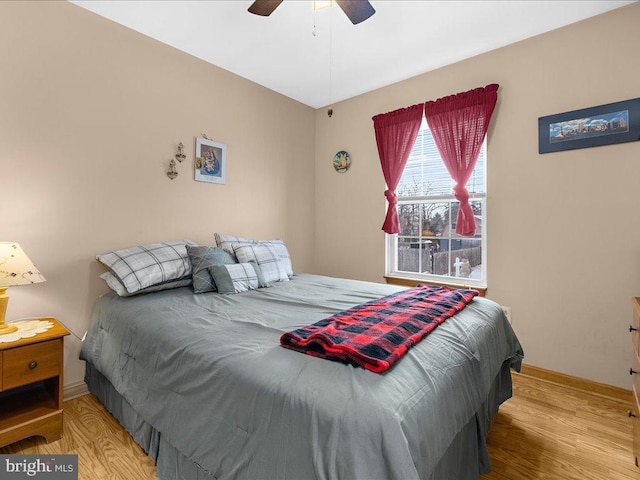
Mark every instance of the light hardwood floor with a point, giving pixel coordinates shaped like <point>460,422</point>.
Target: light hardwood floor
<point>105,450</point>
<point>546,431</point>
<point>549,431</point>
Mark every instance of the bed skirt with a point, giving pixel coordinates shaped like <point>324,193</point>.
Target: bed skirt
<point>465,459</point>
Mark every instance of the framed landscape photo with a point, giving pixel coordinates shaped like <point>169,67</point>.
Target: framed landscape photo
<point>590,127</point>
<point>211,161</point>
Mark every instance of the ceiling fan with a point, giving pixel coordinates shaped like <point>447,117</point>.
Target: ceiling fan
<point>357,10</point>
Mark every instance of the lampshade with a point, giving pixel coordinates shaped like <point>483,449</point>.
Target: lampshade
<point>15,269</point>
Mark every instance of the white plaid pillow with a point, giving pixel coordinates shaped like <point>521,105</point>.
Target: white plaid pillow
<point>266,258</point>
<point>227,243</point>
<point>146,265</point>
<point>116,286</point>
<point>283,254</point>
<point>235,277</point>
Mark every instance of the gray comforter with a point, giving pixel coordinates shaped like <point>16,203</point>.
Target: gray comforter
<point>207,371</point>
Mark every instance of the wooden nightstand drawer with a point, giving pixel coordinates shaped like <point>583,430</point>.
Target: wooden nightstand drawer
<point>30,363</point>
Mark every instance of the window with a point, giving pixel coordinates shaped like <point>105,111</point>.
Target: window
<point>427,247</point>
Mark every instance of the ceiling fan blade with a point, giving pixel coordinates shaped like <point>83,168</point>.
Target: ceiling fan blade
<point>264,7</point>
<point>357,10</point>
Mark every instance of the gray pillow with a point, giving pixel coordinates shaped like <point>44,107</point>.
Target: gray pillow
<point>201,259</point>
<point>237,278</point>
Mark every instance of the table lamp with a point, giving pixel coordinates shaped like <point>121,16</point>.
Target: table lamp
<point>15,269</point>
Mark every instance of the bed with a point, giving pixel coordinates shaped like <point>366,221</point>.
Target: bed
<point>203,385</point>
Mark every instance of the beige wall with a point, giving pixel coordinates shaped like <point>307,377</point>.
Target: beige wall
<point>90,114</point>
<point>563,229</point>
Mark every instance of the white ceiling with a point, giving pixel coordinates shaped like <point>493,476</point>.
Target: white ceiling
<point>402,39</point>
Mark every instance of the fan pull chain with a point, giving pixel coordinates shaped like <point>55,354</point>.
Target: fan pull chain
<point>330,111</point>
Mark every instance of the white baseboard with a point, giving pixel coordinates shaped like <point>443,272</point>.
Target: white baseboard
<point>74,390</point>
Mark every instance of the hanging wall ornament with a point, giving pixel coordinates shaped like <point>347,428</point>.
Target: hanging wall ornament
<point>172,172</point>
<point>180,156</point>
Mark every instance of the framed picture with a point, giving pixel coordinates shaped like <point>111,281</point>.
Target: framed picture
<point>211,161</point>
<point>342,161</point>
<point>590,127</point>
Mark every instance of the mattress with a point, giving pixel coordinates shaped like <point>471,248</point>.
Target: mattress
<point>204,375</point>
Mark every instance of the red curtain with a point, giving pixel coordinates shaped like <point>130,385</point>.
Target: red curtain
<point>396,133</point>
<point>459,124</point>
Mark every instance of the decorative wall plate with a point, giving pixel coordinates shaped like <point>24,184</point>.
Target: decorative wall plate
<point>341,161</point>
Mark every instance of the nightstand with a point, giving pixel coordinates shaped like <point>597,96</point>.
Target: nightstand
<point>634,329</point>
<point>31,386</point>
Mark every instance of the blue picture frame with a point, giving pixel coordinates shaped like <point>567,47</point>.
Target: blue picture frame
<point>590,127</point>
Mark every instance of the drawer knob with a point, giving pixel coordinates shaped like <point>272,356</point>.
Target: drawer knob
<point>631,329</point>
<point>631,414</point>
<point>33,365</point>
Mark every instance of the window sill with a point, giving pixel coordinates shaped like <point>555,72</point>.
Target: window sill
<point>412,282</point>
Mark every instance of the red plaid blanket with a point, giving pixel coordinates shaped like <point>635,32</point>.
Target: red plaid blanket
<point>377,334</point>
